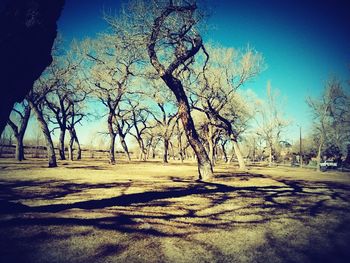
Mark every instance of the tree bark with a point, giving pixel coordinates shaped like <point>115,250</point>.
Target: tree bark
<point>239,155</point>
<point>205,169</point>
<point>143,152</point>
<point>19,148</point>
<point>43,125</point>
<point>111,149</point>
<point>125,146</point>
<point>181,154</point>
<point>149,145</point>
<point>19,132</point>
<point>70,148</point>
<point>211,145</point>
<point>112,136</point>
<point>166,149</point>
<point>61,144</point>
<point>79,148</point>
<point>73,138</point>
<point>28,30</point>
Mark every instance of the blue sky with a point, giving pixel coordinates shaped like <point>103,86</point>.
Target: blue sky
<point>303,42</point>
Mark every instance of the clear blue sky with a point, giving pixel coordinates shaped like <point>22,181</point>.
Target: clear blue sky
<point>303,42</point>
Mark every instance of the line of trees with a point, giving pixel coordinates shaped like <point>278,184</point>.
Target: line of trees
<point>156,81</point>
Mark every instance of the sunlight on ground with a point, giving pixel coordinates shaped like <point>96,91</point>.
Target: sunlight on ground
<point>149,212</point>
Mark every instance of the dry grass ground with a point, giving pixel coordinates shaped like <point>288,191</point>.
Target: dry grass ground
<point>88,211</point>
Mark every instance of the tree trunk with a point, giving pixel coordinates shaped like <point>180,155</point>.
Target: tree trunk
<point>211,151</point>
<point>70,148</point>
<point>211,145</point>
<point>205,169</point>
<point>166,148</point>
<point>239,155</point>
<point>61,144</point>
<point>154,146</point>
<point>79,148</point>
<point>179,141</point>
<point>49,145</point>
<point>224,152</point>
<point>19,148</point>
<point>181,154</point>
<point>143,152</point>
<point>270,155</point>
<point>347,159</point>
<point>19,132</point>
<point>111,149</point>
<point>112,136</point>
<point>149,145</point>
<point>125,147</point>
<point>73,137</point>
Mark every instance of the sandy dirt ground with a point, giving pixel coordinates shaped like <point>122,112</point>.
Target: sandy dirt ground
<point>89,211</point>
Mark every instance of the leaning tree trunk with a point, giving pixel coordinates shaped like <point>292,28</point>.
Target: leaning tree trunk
<point>205,168</point>
<point>61,144</point>
<point>74,138</point>
<point>70,147</point>
<point>19,148</point>
<point>125,146</point>
<point>211,151</point>
<point>211,145</point>
<point>143,151</point>
<point>166,149</point>
<point>49,144</point>
<point>111,149</point>
<point>19,132</point>
<point>78,144</point>
<point>239,155</point>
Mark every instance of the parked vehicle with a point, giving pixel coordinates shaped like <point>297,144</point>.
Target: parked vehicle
<point>328,164</point>
<point>295,164</point>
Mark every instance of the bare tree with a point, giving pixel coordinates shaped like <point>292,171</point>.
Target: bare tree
<point>175,24</point>
<point>63,73</point>
<point>270,121</point>
<point>112,63</point>
<point>75,116</point>
<point>139,121</point>
<point>179,134</point>
<point>35,99</point>
<point>331,116</point>
<point>164,113</point>
<point>214,90</point>
<point>123,125</point>
<point>22,111</point>
<point>59,105</point>
<point>172,41</point>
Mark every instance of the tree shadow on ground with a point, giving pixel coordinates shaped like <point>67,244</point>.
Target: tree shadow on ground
<point>177,208</point>
<point>295,198</point>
